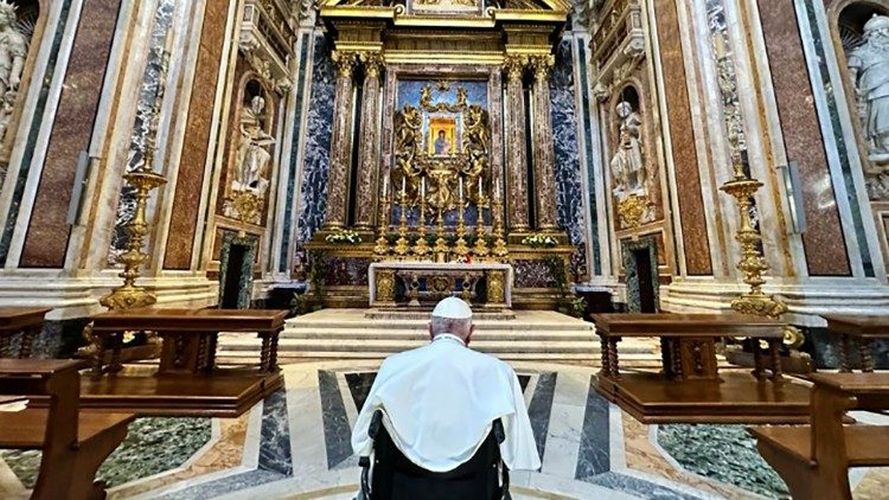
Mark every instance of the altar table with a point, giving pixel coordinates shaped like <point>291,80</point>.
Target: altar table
<point>440,281</point>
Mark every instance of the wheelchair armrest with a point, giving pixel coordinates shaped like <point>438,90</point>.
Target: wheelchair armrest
<point>375,424</point>
<point>499,434</point>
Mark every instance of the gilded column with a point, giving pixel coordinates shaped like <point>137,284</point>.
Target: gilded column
<point>369,152</point>
<point>516,150</point>
<point>341,142</point>
<point>544,157</point>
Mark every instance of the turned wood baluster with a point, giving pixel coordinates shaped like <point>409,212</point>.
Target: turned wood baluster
<point>612,357</point>
<point>4,346</point>
<point>606,359</point>
<point>758,361</point>
<point>775,351</point>
<point>212,342</point>
<point>676,358</point>
<point>265,353</point>
<point>845,350</point>
<point>867,358</point>
<point>273,351</point>
<point>203,358</point>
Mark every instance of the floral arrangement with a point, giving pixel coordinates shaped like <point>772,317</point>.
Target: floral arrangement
<point>540,241</point>
<point>343,236</point>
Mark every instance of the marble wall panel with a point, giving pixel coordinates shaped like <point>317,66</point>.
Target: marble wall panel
<point>34,130</point>
<point>685,158</point>
<point>195,148</point>
<point>151,95</point>
<point>825,254</point>
<point>294,154</point>
<point>319,130</point>
<point>46,242</point>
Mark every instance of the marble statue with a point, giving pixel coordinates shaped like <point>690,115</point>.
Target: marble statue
<point>13,49</point>
<point>627,167</point>
<point>869,68</point>
<point>252,169</point>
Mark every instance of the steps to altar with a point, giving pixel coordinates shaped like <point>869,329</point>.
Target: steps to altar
<point>350,334</point>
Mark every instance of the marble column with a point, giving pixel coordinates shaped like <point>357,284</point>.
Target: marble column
<point>341,141</point>
<point>544,157</point>
<point>369,148</point>
<point>516,150</point>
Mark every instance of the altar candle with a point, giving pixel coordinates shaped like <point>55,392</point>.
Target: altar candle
<point>479,187</point>
<point>385,186</point>
<point>423,188</point>
<point>403,187</point>
<point>461,189</point>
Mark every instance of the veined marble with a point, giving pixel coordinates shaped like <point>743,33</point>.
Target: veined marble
<point>319,122</point>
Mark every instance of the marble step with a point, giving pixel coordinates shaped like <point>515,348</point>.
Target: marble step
<point>588,359</point>
<point>525,321</point>
<point>423,334</point>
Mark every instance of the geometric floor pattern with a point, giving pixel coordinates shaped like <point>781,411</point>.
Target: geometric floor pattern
<point>295,444</point>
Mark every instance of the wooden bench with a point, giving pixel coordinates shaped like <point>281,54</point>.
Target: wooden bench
<point>27,321</point>
<point>861,330</point>
<point>187,381</point>
<point>690,387</point>
<point>74,444</point>
<point>814,459</point>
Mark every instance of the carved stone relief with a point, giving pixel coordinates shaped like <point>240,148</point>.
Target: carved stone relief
<point>14,39</point>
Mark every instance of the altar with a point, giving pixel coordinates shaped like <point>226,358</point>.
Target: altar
<point>416,283</point>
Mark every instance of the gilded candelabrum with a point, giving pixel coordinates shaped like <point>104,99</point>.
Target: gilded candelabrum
<point>402,245</point>
<point>480,249</point>
<point>753,264</point>
<point>421,247</point>
<point>382,248</point>
<point>461,250</point>
<point>441,245</point>
<point>500,250</point>
<point>129,295</point>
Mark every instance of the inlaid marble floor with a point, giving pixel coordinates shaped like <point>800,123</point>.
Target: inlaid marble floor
<point>296,445</point>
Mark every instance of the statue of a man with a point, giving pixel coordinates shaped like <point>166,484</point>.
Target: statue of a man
<point>869,67</point>
<point>627,166</point>
<point>253,156</point>
<point>13,49</point>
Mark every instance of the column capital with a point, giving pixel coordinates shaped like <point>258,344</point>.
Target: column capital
<point>373,63</point>
<point>345,62</point>
<point>542,65</point>
<point>514,66</point>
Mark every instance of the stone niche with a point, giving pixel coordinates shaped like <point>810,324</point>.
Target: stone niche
<point>860,30</point>
<point>21,24</point>
<point>624,93</point>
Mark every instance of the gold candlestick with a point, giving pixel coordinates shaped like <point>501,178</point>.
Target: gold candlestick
<point>402,247</point>
<point>500,250</point>
<point>382,248</point>
<point>480,249</point>
<point>753,263</point>
<point>460,247</point>
<point>128,295</point>
<point>421,248</point>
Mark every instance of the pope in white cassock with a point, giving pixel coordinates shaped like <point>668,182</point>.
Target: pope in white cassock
<point>440,401</point>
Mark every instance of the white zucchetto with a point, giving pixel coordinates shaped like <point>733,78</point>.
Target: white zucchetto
<point>452,308</point>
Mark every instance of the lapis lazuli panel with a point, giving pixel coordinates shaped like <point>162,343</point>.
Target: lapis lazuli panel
<point>569,187</point>
<point>319,129</point>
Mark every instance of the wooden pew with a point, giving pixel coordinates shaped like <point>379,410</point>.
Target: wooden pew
<point>861,330</point>
<point>25,320</point>
<point>74,444</point>
<point>814,459</point>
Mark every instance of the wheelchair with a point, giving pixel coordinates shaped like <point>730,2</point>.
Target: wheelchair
<point>394,477</point>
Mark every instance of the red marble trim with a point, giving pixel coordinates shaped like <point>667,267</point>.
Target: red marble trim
<point>685,158</point>
<point>46,241</point>
<point>823,241</point>
<point>195,148</point>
